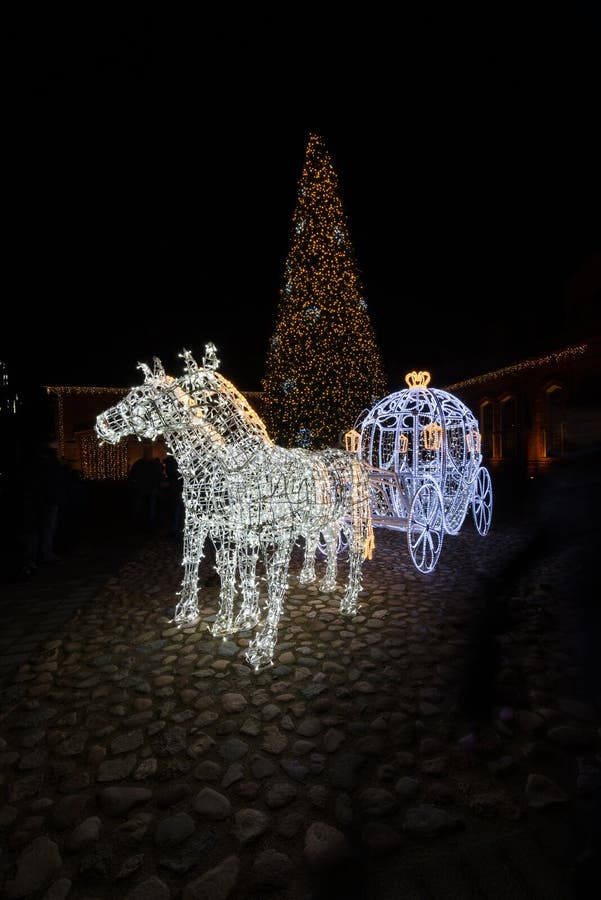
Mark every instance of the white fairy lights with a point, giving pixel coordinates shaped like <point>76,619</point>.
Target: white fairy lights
<point>97,462</point>
<point>252,499</point>
<point>422,448</point>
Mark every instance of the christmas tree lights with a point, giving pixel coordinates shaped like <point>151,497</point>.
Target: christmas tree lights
<point>323,365</point>
<point>251,498</point>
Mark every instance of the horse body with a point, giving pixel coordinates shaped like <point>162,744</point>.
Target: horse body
<point>252,499</point>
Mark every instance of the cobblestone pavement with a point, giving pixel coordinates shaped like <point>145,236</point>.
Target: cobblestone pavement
<point>443,743</point>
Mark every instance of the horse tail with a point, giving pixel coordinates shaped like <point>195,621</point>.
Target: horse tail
<point>361,508</point>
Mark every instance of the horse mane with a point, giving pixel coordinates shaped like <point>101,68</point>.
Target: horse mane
<point>195,384</point>
<point>253,419</point>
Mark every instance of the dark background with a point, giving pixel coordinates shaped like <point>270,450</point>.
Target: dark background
<point>154,157</point>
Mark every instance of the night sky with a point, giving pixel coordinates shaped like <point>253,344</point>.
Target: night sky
<point>153,162</point>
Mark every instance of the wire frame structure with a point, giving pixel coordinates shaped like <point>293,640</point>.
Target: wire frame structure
<point>252,499</point>
<point>422,448</point>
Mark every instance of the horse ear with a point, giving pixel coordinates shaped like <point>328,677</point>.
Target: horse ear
<point>210,359</point>
<point>159,371</point>
<point>147,372</point>
<point>190,363</point>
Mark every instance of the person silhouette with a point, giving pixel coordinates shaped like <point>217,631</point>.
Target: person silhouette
<point>145,479</point>
<point>41,491</point>
<point>50,482</point>
<point>175,505</point>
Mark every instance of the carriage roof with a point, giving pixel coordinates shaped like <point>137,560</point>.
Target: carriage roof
<point>428,405</point>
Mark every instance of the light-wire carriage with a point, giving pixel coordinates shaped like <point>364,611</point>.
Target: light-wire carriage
<point>422,448</point>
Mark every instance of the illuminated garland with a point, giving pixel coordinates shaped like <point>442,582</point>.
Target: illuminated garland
<point>60,391</point>
<point>558,356</point>
<point>252,499</point>
<point>102,461</point>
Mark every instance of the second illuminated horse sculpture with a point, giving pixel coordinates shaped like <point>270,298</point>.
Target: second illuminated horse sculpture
<point>252,498</point>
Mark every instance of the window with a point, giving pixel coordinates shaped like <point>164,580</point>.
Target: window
<point>553,421</point>
<point>509,428</point>
<point>486,429</point>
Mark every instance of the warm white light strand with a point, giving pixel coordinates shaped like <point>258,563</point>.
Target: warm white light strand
<point>555,358</point>
<point>252,499</point>
<point>60,390</point>
<point>102,461</point>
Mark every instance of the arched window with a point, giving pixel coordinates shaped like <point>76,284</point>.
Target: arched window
<point>509,428</point>
<point>553,421</point>
<point>486,428</point>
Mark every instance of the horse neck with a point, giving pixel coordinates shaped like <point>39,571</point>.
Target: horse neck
<point>198,444</point>
<point>242,418</point>
<point>190,445</point>
<point>252,421</point>
<point>243,453</point>
<point>228,438</point>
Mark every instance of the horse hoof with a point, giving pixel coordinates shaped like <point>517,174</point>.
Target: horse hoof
<point>326,587</point>
<point>246,624</point>
<point>259,664</point>
<point>306,579</point>
<point>187,623</point>
<point>222,630</point>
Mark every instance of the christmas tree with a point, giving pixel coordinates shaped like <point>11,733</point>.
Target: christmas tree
<point>323,365</point>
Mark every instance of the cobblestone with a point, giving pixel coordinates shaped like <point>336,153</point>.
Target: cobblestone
<point>445,742</point>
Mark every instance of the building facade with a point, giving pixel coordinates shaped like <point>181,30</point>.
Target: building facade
<point>533,413</point>
<point>538,411</point>
<point>541,411</point>
<point>74,411</point>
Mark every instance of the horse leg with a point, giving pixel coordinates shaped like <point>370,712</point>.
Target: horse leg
<point>360,536</point>
<point>195,532</point>
<point>226,557</point>
<point>307,573</point>
<point>277,562</point>
<point>349,604</point>
<point>328,582</point>
<point>250,612</point>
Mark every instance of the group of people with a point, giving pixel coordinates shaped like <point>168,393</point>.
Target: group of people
<point>41,496</point>
<point>41,490</point>
<point>150,482</point>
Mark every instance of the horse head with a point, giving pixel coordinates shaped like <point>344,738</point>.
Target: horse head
<point>148,410</point>
<point>201,402</point>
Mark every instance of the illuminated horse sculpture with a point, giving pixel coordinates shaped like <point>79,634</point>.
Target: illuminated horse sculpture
<point>251,498</point>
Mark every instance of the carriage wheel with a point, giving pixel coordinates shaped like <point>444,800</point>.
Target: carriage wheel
<point>457,494</point>
<point>341,545</point>
<point>482,501</point>
<point>425,527</point>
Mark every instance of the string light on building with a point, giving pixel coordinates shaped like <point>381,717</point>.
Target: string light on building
<point>96,462</point>
<point>100,462</point>
<point>557,357</point>
<point>59,392</point>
